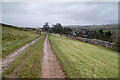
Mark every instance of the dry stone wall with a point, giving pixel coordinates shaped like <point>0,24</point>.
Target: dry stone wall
<point>99,42</point>
<point>95,42</point>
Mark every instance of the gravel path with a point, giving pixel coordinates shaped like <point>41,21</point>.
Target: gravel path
<point>50,65</point>
<point>12,57</point>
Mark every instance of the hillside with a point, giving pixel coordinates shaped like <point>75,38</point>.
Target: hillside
<point>111,27</point>
<point>14,37</point>
<point>82,60</point>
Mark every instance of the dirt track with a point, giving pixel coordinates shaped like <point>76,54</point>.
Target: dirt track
<point>50,65</point>
<point>12,57</point>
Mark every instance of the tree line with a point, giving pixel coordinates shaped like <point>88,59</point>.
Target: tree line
<point>100,34</point>
<point>57,28</point>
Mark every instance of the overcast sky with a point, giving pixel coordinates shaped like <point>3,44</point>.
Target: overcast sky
<point>33,14</point>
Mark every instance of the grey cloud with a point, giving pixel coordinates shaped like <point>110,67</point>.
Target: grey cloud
<point>36,14</point>
<point>59,0</point>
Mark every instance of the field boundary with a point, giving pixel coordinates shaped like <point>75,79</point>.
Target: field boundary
<point>97,42</point>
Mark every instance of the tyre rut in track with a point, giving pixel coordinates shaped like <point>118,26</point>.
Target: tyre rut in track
<point>50,64</point>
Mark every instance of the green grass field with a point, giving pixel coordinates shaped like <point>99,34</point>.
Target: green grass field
<point>28,64</point>
<point>13,39</point>
<point>0,42</point>
<point>82,60</point>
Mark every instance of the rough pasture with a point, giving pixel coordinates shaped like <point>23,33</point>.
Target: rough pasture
<point>82,60</point>
<point>13,39</point>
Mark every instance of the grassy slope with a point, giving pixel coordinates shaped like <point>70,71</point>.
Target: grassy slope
<point>0,49</point>
<point>28,65</point>
<point>12,39</point>
<point>82,60</point>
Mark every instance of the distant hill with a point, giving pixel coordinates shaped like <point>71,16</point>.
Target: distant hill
<point>16,27</point>
<point>15,37</point>
<point>111,27</point>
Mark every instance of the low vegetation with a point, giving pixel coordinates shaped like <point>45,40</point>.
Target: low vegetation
<point>28,65</point>
<point>13,39</point>
<point>82,60</point>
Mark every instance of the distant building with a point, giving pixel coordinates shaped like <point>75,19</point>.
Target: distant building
<point>74,33</point>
